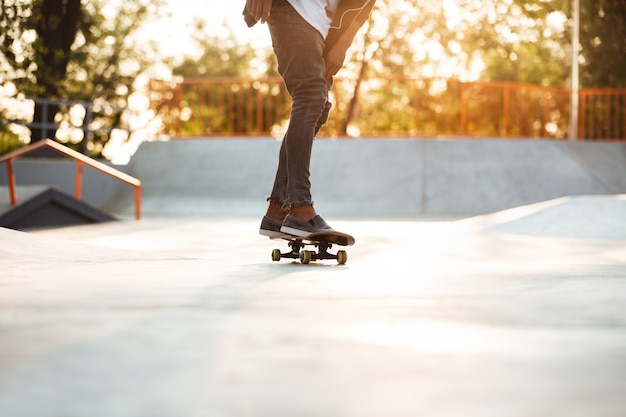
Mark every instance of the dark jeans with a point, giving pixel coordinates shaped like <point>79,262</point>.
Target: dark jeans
<point>299,51</point>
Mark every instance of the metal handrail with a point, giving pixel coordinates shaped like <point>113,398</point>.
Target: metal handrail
<point>80,161</point>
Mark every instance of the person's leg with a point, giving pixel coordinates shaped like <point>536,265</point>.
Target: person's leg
<point>327,107</point>
<point>302,220</point>
<point>298,48</point>
<point>278,209</point>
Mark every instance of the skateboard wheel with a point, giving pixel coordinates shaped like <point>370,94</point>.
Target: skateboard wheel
<point>342,257</point>
<point>276,255</point>
<point>305,256</point>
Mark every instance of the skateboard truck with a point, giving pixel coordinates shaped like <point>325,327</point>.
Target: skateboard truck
<point>306,256</point>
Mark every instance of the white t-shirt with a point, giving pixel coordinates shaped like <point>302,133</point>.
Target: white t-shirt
<point>319,13</point>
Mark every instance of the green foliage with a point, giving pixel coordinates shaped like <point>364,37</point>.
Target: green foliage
<point>516,40</point>
<point>77,51</point>
<point>15,40</point>
<point>220,55</point>
<point>36,44</point>
<point>9,141</point>
<point>603,42</point>
<point>107,59</point>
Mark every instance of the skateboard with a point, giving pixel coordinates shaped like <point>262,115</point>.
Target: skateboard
<point>323,241</point>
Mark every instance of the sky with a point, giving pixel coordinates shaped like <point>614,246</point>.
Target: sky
<point>172,33</point>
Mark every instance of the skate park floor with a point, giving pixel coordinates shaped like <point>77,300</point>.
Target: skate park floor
<point>521,312</point>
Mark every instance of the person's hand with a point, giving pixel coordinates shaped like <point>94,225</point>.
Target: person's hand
<point>334,59</point>
<point>260,9</point>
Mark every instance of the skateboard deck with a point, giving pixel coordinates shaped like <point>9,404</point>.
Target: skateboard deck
<point>322,241</point>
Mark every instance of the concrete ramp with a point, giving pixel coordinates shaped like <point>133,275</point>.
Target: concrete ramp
<point>581,217</point>
<point>52,208</point>
<point>375,177</point>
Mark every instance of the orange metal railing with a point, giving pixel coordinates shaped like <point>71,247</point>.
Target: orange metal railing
<point>390,106</point>
<point>81,160</point>
<point>603,113</point>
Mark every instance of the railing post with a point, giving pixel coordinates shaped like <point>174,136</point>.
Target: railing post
<point>582,120</point>
<point>416,105</point>
<point>137,202</point>
<point>608,132</point>
<point>507,110</point>
<point>464,109</point>
<point>11,178</point>
<point>78,184</point>
<point>178,100</point>
<point>546,112</point>
<point>259,111</point>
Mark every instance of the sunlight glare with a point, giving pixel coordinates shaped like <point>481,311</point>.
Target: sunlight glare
<point>450,338</point>
<point>417,336</point>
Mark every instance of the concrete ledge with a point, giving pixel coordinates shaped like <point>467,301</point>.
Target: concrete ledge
<point>376,177</point>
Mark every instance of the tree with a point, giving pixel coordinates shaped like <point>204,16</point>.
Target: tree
<point>8,140</point>
<point>54,24</point>
<point>603,43</point>
<point>508,40</point>
<point>107,59</point>
<point>76,51</point>
<point>219,55</point>
<point>602,40</point>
